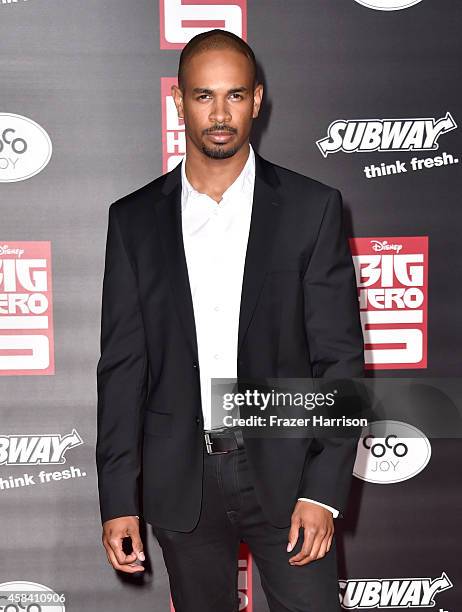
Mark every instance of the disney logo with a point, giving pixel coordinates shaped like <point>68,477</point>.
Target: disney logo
<point>5,250</point>
<point>384,245</point>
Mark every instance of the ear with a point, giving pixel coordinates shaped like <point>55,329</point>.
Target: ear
<point>178,99</point>
<point>257,99</point>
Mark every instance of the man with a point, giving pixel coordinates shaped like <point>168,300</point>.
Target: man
<point>227,266</point>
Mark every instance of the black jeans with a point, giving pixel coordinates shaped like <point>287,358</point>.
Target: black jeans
<point>203,564</point>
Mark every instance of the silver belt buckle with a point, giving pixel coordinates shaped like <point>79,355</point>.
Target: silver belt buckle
<point>208,445</point>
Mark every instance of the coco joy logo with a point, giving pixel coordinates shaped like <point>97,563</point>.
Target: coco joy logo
<point>25,148</point>
<point>390,452</point>
<point>388,5</point>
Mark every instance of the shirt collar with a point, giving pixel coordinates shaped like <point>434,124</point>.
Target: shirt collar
<point>243,183</point>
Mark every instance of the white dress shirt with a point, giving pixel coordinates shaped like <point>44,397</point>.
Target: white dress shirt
<point>215,237</point>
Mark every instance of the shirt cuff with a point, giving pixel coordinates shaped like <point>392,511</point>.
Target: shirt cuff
<point>334,511</point>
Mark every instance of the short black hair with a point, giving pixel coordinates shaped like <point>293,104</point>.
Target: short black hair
<point>215,39</point>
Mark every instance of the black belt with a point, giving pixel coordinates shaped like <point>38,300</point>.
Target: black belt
<point>223,442</point>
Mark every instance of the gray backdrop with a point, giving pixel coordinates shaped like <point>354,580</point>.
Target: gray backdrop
<point>89,73</point>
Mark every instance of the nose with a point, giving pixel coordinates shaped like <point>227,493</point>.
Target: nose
<point>219,112</point>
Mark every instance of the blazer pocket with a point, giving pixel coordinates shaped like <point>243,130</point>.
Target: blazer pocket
<point>157,423</point>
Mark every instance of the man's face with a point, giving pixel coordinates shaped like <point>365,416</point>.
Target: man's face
<point>219,102</point>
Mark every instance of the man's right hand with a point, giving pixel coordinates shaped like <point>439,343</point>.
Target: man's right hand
<point>114,531</point>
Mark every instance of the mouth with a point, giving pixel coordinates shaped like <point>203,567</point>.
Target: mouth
<point>220,137</point>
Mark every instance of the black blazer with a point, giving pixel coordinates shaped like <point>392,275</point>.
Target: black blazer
<point>299,317</point>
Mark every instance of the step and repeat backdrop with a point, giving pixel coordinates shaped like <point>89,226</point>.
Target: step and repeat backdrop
<point>363,95</point>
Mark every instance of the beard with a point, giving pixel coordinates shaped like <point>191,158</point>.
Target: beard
<point>219,152</point>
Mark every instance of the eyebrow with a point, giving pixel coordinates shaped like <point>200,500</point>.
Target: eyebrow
<point>210,91</point>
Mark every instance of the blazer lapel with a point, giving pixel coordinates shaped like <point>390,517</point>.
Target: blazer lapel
<point>266,209</point>
<point>168,212</point>
<point>263,225</point>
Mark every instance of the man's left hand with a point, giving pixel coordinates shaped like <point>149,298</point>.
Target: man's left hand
<point>318,527</point>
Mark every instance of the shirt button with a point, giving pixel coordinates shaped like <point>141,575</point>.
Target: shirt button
<point>195,365</point>
<point>216,356</point>
<point>216,308</point>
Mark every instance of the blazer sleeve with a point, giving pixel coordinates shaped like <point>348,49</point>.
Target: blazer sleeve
<point>121,381</point>
<point>335,338</point>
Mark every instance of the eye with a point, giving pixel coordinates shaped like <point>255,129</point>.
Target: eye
<point>203,96</point>
<point>237,95</point>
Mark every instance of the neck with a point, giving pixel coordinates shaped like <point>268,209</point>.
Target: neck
<point>214,176</point>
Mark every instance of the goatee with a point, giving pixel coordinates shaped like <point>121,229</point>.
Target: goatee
<point>219,152</point>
